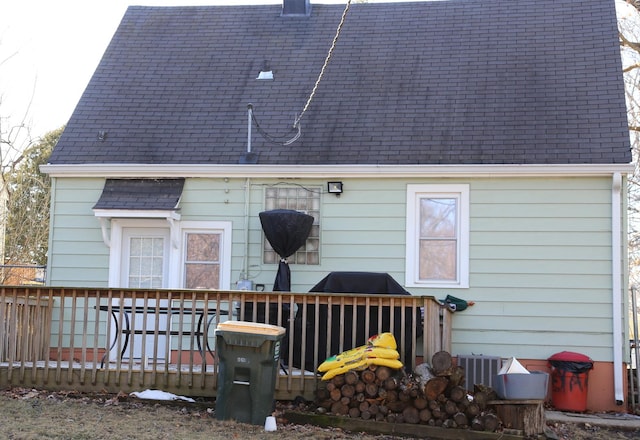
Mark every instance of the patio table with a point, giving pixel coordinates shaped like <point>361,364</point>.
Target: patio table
<point>119,313</point>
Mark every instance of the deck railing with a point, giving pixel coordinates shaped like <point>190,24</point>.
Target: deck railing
<point>127,340</point>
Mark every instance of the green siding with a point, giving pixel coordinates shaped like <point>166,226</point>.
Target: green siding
<point>540,251</point>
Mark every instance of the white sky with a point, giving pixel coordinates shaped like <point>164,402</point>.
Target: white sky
<point>49,49</point>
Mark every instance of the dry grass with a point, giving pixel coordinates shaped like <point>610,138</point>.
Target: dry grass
<point>31,414</point>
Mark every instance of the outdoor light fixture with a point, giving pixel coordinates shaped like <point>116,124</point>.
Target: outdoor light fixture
<point>334,188</point>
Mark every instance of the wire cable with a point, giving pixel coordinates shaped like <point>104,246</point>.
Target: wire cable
<point>326,63</point>
<point>280,140</point>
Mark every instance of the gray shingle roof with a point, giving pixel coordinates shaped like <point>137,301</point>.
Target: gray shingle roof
<point>142,194</point>
<point>450,82</point>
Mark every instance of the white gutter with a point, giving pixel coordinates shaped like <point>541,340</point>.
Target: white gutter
<point>616,284</point>
<point>327,171</point>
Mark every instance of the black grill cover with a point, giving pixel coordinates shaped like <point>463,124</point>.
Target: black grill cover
<point>352,282</point>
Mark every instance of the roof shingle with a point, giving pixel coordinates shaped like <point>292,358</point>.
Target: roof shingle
<point>448,82</point>
<point>141,194</point>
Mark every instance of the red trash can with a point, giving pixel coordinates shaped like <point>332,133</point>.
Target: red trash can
<point>570,380</point>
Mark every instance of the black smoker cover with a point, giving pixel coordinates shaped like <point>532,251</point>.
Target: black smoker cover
<point>287,230</point>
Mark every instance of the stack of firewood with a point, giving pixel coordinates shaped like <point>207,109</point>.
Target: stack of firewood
<point>435,397</point>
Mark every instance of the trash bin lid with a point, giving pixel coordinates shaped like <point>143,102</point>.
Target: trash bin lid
<point>251,327</point>
<point>570,356</point>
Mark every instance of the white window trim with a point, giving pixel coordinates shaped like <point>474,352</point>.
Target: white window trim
<point>208,227</point>
<point>175,277</point>
<point>414,194</point>
<point>105,215</point>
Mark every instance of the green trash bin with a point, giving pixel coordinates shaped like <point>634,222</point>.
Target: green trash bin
<point>248,360</point>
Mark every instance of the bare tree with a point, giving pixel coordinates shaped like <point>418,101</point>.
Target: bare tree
<point>27,223</point>
<point>629,33</point>
<point>17,148</point>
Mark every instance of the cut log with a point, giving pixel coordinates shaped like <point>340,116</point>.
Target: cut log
<point>434,387</point>
<point>391,396</point>
<point>371,389</point>
<point>450,407</point>
<point>449,423</point>
<point>397,406</point>
<point>456,378</point>
<point>420,403</point>
<point>490,422</point>
<point>335,394</point>
<point>457,394</point>
<point>476,424</point>
<point>480,398</point>
<point>368,376</point>
<point>359,386</point>
<point>391,383</point>
<point>461,419</point>
<point>425,415</point>
<point>354,413</point>
<point>441,362</point>
<point>348,390</point>
<point>364,406</point>
<point>365,415</point>
<point>411,414</point>
<point>523,415</point>
<point>472,410</point>
<point>438,414</point>
<point>489,392</point>
<point>339,409</point>
<point>383,373</point>
<point>464,403</point>
<point>351,377</point>
<point>338,380</point>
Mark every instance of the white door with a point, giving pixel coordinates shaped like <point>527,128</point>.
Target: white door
<point>145,265</point>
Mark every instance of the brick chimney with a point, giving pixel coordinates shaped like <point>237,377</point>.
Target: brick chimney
<point>296,8</point>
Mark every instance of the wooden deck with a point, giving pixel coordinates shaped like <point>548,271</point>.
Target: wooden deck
<point>130,340</point>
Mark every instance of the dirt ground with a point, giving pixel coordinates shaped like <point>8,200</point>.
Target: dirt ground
<point>35,414</point>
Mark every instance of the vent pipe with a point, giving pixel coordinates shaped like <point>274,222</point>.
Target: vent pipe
<point>249,157</point>
<point>296,8</point>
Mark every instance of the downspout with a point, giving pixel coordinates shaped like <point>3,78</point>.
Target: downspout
<point>616,284</point>
<point>244,275</point>
<point>52,220</point>
<point>245,260</point>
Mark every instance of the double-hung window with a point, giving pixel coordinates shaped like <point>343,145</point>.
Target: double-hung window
<point>206,255</point>
<point>437,236</point>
